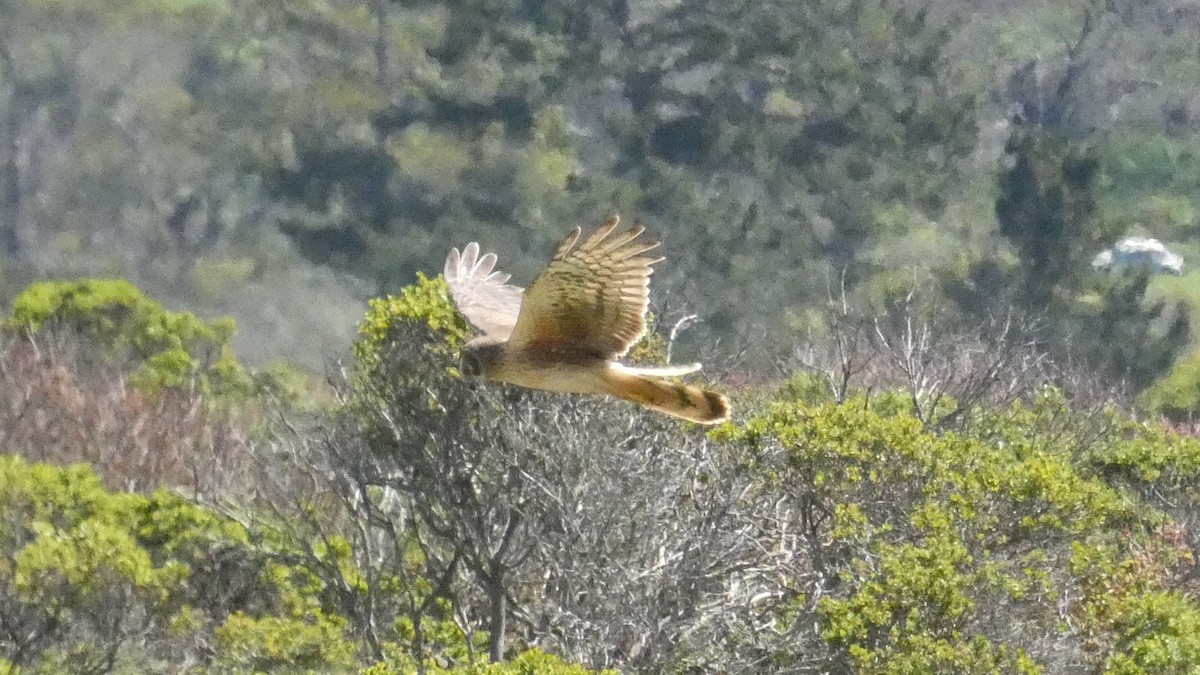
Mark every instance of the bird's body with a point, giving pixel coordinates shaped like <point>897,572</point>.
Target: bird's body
<point>569,330</point>
<point>561,372</point>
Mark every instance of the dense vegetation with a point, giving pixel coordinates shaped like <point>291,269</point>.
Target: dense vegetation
<point>957,446</point>
<point>281,164</point>
<point>401,519</point>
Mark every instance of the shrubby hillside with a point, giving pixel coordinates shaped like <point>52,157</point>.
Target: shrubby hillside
<point>908,501</point>
<point>958,446</point>
<point>284,163</point>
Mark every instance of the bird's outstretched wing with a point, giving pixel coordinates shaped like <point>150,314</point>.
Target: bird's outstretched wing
<point>591,299</point>
<point>481,294</point>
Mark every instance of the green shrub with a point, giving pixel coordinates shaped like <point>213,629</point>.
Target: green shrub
<point>530,662</point>
<point>89,576</point>
<point>928,534</point>
<point>1177,394</point>
<point>74,580</point>
<point>1135,622</point>
<point>426,304</point>
<point>1159,632</point>
<point>281,644</point>
<point>163,349</point>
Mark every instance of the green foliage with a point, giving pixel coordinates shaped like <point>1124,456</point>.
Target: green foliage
<point>1136,622</point>
<point>426,304</point>
<point>923,551</point>
<point>279,644</point>
<point>1150,457</point>
<point>922,585</point>
<point>1177,393</point>
<point>73,576</point>
<point>925,531</point>
<point>1159,633</point>
<point>163,349</point>
<point>73,537</point>
<point>529,662</point>
<point>441,641</point>
<point>85,573</point>
<point>176,527</point>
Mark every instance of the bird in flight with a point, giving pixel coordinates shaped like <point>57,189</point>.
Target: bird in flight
<point>569,330</point>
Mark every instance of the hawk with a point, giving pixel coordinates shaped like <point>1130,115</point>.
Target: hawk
<point>567,332</point>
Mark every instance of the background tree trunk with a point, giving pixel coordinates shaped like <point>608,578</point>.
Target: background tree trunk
<point>497,599</point>
<point>10,172</point>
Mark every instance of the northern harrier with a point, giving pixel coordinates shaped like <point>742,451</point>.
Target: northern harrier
<point>567,332</point>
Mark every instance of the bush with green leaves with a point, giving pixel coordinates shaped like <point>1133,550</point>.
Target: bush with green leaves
<point>91,580</point>
<point>886,546</point>
<point>1136,611</point>
<point>74,581</point>
<point>289,585</point>
<point>99,581</point>
<point>425,304</point>
<point>435,524</point>
<point>163,349</point>
<point>1175,395</point>
<point>996,548</point>
<point>530,662</point>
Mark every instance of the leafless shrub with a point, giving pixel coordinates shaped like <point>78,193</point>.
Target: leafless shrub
<point>601,533</point>
<point>843,357</point>
<point>948,372</point>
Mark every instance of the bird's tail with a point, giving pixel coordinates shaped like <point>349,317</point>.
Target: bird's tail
<point>642,386</point>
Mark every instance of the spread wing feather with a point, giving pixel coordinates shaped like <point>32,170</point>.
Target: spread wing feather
<point>590,299</point>
<point>481,294</point>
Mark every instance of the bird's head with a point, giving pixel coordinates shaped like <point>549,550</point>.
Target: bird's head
<point>479,356</point>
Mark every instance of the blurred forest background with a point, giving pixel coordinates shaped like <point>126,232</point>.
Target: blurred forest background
<point>958,446</point>
<point>281,163</point>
